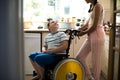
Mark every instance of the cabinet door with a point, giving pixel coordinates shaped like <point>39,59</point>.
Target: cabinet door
<point>78,43</point>
<point>75,45</point>
<point>44,34</point>
<point>32,44</point>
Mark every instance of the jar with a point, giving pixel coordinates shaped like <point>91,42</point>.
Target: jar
<point>73,19</point>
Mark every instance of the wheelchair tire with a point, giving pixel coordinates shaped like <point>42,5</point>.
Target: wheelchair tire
<point>69,69</point>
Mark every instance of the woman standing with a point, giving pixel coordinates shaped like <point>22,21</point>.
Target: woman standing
<point>95,40</point>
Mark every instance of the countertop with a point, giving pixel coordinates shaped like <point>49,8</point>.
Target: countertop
<point>39,30</point>
<point>46,30</point>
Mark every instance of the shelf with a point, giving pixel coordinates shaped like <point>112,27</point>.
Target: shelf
<point>116,11</point>
<point>116,49</point>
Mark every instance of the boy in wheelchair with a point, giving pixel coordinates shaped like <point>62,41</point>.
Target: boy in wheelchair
<point>55,44</point>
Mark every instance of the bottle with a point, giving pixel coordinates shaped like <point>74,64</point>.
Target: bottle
<point>73,19</point>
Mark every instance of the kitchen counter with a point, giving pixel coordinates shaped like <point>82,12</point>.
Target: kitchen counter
<point>39,30</point>
<point>35,30</point>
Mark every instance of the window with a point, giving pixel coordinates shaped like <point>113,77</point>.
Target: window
<point>40,10</point>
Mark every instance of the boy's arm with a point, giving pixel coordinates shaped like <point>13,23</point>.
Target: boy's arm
<point>44,48</point>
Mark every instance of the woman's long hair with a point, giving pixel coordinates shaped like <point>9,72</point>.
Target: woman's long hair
<point>92,6</point>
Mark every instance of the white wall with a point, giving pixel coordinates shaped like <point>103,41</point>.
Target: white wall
<point>107,7</point>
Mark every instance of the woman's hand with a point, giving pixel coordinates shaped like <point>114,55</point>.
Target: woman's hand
<point>81,32</point>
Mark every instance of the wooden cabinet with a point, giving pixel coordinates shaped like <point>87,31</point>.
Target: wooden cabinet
<point>44,34</point>
<point>75,45</point>
<point>31,44</point>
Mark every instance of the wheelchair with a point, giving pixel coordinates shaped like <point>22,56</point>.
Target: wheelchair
<point>65,68</point>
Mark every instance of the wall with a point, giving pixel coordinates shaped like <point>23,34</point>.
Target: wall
<point>11,40</point>
<point>107,8</point>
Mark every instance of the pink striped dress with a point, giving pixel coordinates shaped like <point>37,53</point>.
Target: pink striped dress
<point>94,44</point>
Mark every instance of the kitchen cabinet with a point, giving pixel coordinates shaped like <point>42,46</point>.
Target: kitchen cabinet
<point>75,45</point>
<point>31,44</point>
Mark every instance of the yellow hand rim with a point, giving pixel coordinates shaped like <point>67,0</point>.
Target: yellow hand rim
<point>69,66</point>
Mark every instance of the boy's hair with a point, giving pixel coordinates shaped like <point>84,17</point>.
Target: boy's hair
<point>49,19</point>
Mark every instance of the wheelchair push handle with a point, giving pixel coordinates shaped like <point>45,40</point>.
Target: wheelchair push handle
<point>73,33</point>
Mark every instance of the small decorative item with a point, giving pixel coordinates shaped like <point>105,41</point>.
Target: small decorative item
<point>62,19</point>
<point>73,19</point>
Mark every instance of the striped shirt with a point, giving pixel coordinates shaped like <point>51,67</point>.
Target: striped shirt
<point>53,40</point>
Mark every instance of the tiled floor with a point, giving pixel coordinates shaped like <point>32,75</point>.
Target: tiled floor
<point>29,77</point>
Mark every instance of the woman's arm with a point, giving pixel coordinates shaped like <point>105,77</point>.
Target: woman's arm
<point>97,14</point>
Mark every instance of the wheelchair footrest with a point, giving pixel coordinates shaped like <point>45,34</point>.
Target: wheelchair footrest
<point>49,75</point>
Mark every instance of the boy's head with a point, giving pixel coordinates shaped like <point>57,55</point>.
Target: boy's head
<point>52,25</point>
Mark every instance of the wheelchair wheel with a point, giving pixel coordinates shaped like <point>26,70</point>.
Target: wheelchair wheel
<point>69,69</point>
